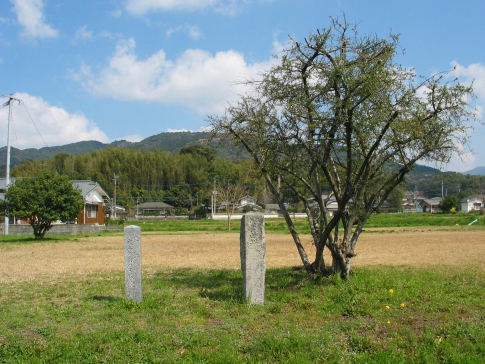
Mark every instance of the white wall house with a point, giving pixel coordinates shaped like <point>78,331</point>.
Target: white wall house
<point>472,203</point>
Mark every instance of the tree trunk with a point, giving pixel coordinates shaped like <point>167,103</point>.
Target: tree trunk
<point>341,264</point>
<point>319,263</point>
<point>40,229</point>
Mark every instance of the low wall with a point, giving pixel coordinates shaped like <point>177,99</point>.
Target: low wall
<point>238,216</point>
<point>65,229</point>
<point>148,218</point>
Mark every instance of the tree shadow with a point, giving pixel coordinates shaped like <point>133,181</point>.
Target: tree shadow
<point>227,285</point>
<point>106,298</point>
<point>217,285</point>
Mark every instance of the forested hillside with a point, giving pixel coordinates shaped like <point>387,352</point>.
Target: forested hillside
<point>177,179</point>
<point>169,142</point>
<point>179,169</point>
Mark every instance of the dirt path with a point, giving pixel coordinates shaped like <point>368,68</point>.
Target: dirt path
<point>46,261</point>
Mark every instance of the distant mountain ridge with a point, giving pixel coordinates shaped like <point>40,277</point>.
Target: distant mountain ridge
<point>169,142</point>
<point>477,171</point>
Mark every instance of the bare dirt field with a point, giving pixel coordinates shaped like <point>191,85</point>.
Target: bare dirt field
<point>46,261</point>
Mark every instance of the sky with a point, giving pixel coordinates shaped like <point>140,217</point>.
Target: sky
<point>109,70</point>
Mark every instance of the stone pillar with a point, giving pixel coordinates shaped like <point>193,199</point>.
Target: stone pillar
<point>133,263</point>
<point>253,257</point>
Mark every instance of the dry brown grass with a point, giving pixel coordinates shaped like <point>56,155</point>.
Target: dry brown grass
<point>46,261</point>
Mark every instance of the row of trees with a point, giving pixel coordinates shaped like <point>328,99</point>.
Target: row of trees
<point>180,180</point>
<point>450,183</point>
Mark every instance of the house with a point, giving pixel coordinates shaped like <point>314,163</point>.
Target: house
<point>95,199</point>
<point>472,203</point>
<point>153,208</point>
<point>245,201</point>
<point>430,204</point>
<point>115,210</point>
<point>93,195</point>
<point>272,208</point>
<point>330,204</point>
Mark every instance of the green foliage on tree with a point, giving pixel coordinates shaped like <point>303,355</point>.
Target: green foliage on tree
<point>42,200</point>
<point>449,203</point>
<point>208,152</point>
<point>338,118</point>
<point>453,183</point>
<point>395,198</point>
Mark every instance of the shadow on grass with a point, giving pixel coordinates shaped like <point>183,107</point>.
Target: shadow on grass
<point>29,239</point>
<point>106,298</point>
<point>227,285</point>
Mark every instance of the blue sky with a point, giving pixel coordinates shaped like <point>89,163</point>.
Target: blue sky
<point>108,70</point>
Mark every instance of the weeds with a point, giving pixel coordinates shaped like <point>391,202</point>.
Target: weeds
<point>200,316</point>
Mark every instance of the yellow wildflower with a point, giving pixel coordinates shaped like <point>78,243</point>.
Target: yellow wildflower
<point>403,305</point>
<point>391,291</point>
<point>388,307</point>
<point>388,322</point>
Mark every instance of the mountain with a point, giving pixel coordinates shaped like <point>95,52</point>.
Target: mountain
<point>478,171</point>
<point>169,142</point>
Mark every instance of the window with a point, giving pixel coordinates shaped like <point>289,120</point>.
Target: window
<point>92,210</point>
<point>477,205</point>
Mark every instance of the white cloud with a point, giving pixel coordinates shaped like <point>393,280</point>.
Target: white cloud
<point>192,30</point>
<point>31,17</point>
<point>115,13</point>
<point>83,34</point>
<point>55,125</point>
<point>202,129</point>
<point>141,7</point>
<point>183,130</point>
<point>197,79</point>
<point>474,72</point>
<point>463,163</point>
<point>132,138</point>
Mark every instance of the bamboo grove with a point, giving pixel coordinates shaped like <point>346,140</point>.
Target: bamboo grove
<point>183,180</point>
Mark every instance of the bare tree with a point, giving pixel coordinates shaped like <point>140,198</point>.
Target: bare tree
<point>338,114</point>
<point>230,194</point>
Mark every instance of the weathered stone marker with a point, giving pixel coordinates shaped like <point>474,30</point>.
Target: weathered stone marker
<point>253,257</point>
<point>133,263</point>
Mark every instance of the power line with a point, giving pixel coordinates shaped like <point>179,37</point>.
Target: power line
<point>23,103</point>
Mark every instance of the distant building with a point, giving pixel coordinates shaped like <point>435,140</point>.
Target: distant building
<point>153,208</point>
<point>472,203</point>
<point>93,195</point>
<point>431,204</point>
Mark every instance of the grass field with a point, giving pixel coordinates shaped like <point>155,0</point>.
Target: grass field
<point>416,296</point>
<point>279,225</point>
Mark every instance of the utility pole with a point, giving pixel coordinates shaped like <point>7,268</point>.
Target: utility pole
<point>7,173</point>
<point>214,199</point>
<point>115,178</point>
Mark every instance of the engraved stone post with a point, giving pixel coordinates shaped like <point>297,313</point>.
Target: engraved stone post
<point>133,263</point>
<point>253,257</point>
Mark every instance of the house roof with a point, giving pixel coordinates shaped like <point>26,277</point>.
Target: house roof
<point>154,205</point>
<point>432,201</point>
<point>272,206</point>
<point>472,197</point>
<point>87,186</point>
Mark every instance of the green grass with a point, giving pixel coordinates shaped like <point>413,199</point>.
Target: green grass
<point>199,316</point>
<point>421,219</point>
<point>279,225</point>
<point>273,225</point>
